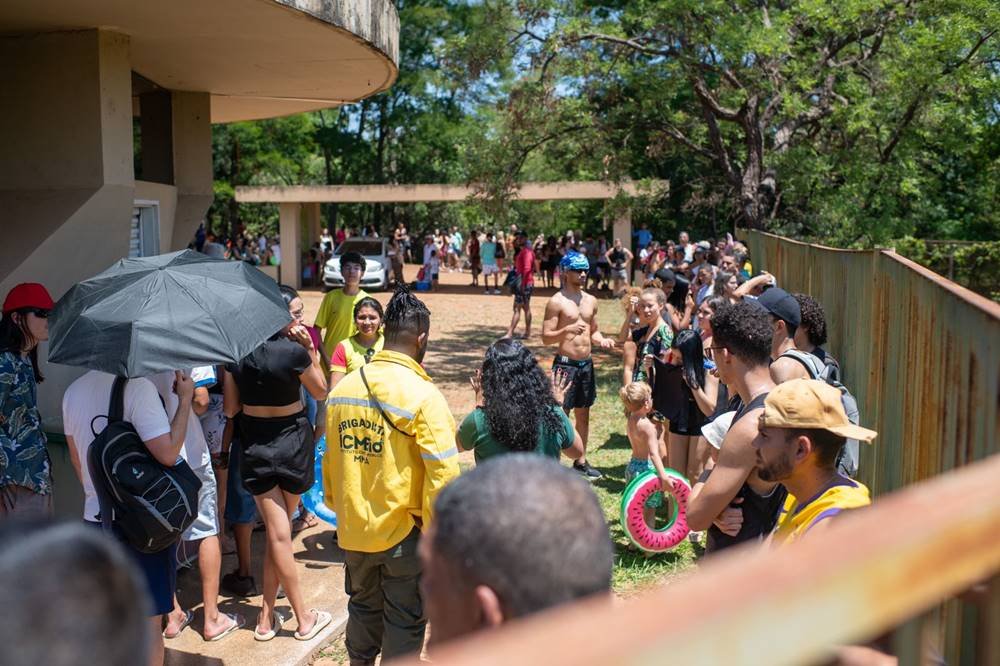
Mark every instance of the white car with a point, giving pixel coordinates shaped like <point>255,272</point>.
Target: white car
<point>377,266</point>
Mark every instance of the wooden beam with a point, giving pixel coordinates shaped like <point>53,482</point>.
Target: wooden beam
<point>869,571</point>
<point>441,192</point>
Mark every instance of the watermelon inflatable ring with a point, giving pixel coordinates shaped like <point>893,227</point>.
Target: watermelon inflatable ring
<point>313,498</point>
<point>640,489</point>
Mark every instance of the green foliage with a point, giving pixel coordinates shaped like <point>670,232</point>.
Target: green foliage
<point>853,122</point>
<point>973,265</point>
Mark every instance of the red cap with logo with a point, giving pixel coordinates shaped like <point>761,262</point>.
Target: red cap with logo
<point>27,295</point>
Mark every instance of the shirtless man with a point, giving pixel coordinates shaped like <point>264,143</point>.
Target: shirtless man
<point>571,324</point>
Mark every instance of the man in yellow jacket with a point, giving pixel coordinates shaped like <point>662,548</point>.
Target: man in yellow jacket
<point>390,451</point>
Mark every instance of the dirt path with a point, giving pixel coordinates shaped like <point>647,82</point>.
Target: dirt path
<point>464,322</point>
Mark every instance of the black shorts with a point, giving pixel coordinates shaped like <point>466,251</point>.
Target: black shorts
<point>522,296</point>
<point>582,392</point>
<point>688,422</point>
<point>277,452</point>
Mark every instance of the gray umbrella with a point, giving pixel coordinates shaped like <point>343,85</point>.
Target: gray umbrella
<point>168,312</point>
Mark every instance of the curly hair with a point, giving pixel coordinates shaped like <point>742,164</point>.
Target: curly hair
<point>744,329</point>
<point>517,396</point>
<point>813,319</point>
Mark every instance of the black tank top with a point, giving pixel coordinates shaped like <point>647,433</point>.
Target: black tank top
<point>618,258</point>
<point>760,513</point>
<point>269,375</point>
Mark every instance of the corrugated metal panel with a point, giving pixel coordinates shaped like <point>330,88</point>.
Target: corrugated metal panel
<point>921,354</point>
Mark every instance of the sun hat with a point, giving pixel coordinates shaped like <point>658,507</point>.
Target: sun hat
<point>782,305</point>
<point>715,431</point>
<point>27,295</point>
<point>810,404</point>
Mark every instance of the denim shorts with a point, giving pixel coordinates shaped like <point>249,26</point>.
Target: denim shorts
<point>159,571</point>
<point>240,507</point>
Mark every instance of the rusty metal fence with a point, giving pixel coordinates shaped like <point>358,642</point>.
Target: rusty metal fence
<point>920,353</point>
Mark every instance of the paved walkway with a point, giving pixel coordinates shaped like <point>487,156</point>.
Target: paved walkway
<point>464,322</point>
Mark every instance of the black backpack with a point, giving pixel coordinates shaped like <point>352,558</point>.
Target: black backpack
<point>150,504</point>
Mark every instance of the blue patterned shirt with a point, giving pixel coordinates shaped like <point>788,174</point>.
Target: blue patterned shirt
<point>24,460</point>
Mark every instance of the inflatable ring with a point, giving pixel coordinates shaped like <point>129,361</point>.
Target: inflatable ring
<point>313,498</point>
<point>640,489</point>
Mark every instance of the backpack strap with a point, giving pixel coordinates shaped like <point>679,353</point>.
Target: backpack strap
<point>116,411</point>
<point>378,405</point>
<point>813,365</point>
<point>116,406</point>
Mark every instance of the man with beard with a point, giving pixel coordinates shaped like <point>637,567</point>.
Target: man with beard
<point>391,449</point>
<point>801,432</point>
<point>571,323</point>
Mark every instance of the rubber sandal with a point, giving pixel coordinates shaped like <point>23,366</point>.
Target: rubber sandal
<point>322,620</point>
<point>276,621</point>
<point>188,618</point>
<point>238,623</point>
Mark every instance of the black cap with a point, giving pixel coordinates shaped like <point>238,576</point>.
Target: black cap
<point>664,275</point>
<point>355,258</point>
<point>782,305</point>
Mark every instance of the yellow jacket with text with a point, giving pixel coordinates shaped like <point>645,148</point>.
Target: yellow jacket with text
<point>383,469</point>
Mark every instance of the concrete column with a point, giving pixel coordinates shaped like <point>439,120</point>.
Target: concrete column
<point>290,237</point>
<point>191,129</point>
<point>156,137</point>
<point>66,179</point>
<point>312,225</point>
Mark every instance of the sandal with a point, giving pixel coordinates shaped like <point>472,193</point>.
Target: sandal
<point>238,623</point>
<point>322,619</point>
<point>188,618</point>
<point>276,621</point>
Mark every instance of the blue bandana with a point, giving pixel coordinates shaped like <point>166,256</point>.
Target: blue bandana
<point>574,261</point>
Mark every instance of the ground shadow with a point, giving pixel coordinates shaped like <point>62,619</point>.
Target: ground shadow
<point>320,549</point>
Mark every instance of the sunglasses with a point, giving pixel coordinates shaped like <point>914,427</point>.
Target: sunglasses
<point>38,312</point>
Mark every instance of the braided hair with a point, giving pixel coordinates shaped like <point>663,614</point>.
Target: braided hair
<point>406,315</point>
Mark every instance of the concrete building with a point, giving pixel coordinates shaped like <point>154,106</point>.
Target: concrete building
<point>93,90</point>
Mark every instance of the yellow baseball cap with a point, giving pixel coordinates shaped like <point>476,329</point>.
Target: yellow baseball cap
<point>810,403</point>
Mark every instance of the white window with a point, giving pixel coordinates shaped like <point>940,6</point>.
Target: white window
<point>144,239</point>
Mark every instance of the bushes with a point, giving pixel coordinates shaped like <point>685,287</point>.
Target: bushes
<point>975,265</point>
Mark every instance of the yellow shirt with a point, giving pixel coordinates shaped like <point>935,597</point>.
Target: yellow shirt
<point>348,355</point>
<point>336,317</point>
<point>382,480</point>
<point>795,519</point>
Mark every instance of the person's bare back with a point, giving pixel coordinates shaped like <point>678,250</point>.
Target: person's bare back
<point>570,322</point>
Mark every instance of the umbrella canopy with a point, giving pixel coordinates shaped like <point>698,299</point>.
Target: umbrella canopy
<point>168,312</point>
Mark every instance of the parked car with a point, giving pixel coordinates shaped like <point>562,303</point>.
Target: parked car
<point>377,266</point>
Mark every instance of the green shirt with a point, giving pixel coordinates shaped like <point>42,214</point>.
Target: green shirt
<point>336,317</point>
<point>475,434</point>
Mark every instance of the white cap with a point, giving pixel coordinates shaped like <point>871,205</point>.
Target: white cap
<point>716,431</point>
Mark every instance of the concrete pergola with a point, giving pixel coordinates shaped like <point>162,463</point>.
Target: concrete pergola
<point>299,206</point>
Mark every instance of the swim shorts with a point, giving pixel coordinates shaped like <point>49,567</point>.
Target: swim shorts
<point>522,296</point>
<point>635,468</point>
<point>582,392</point>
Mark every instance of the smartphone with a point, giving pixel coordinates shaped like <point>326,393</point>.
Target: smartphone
<point>709,364</point>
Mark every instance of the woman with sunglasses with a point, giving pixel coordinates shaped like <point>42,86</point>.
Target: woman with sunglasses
<point>25,469</point>
<point>357,350</point>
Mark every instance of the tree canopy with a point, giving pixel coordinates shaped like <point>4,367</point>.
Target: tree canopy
<point>853,122</point>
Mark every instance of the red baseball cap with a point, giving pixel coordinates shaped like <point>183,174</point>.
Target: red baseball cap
<point>27,295</point>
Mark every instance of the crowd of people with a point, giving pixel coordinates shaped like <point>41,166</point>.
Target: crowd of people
<point>724,379</point>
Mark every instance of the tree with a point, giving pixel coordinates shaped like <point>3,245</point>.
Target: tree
<point>808,116</point>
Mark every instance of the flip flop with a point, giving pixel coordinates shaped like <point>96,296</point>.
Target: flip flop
<point>188,618</point>
<point>322,619</point>
<point>238,623</point>
<point>276,621</point>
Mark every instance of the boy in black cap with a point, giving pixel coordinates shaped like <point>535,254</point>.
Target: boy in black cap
<point>786,317</point>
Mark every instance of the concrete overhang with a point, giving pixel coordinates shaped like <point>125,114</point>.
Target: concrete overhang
<point>257,58</point>
<point>558,190</point>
